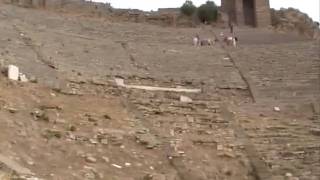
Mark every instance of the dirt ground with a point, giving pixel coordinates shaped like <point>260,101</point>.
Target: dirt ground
<point>76,123</point>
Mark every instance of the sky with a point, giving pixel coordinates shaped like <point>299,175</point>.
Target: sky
<point>311,7</point>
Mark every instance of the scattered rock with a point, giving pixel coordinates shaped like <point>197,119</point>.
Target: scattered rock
<point>72,128</point>
<point>104,141</point>
<point>277,109</point>
<point>149,140</point>
<point>154,177</point>
<point>98,82</point>
<point>185,99</point>
<point>93,119</point>
<point>220,147</point>
<point>116,139</point>
<point>190,119</point>
<point>27,177</point>
<point>127,164</point>
<point>40,115</point>
<point>60,121</point>
<point>31,163</point>
<point>288,174</point>
<point>113,136</point>
<point>292,20</point>
<point>71,136</point>
<point>90,159</point>
<point>93,141</point>
<point>77,80</point>
<point>117,166</point>
<point>106,116</point>
<point>52,133</point>
<point>50,106</point>
<point>23,77</point>
<point>106,159</point>
<point>226,154</point>
<point>11,109</point>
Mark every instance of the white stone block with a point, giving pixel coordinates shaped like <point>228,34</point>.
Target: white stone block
<point>13,72</point>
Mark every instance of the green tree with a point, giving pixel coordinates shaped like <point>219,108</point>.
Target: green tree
<point>208,12</point>
<point>188,8</point>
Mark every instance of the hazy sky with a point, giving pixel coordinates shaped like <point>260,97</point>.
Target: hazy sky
<point>311,7</point>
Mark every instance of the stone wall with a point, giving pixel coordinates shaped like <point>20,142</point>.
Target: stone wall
<point>263,17</point>
<point>248,12</point>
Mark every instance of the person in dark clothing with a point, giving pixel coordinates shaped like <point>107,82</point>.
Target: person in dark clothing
<point>231,27</point>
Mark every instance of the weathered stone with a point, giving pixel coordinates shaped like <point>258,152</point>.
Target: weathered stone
<point>93,119</point>
<point>98,82</point>
<point>60,121</point>
<point>13,72</point>
<point>154,177</point>
<point>91,159</point>
<point>116,139</point>
<point>106,116</point>
<point>185,99</point>
<point>104,141</point>
<point>11,110</point>
<point>127,164</point>
<point>220,147</point>
<point>40,115</point>
<point>288,20</point>
<point>51,133</point>
<point>50,106</point>
<point>149,140</point>
<point>277,109</point>
<point>190,119</point>
<point>106,159</point>
<point>93,141</point>
<point>315,132</point>
<point>116,166</point>
<point>23,77</point>
<point>226,154</point>
<point>72,128</point>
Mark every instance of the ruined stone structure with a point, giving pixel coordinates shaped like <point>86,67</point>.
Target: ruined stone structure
<point>248,12</point>
<point>80,6</point>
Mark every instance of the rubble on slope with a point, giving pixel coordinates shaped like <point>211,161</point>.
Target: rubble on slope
<point>292,20</point>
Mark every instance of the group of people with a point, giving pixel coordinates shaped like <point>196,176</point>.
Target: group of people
<point>197,41</point>
<point>229,40</point>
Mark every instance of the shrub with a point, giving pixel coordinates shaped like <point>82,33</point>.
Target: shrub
<point>208,12</point>
<point>188,8</point>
